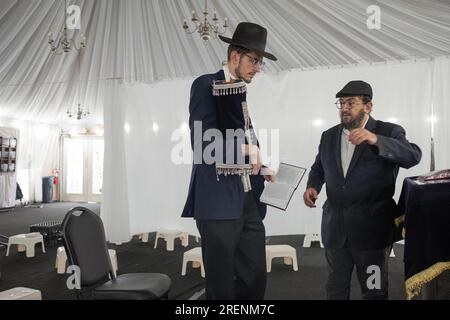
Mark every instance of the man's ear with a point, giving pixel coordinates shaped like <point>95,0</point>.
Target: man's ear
<point>235,57</point>
<point>368,107</point>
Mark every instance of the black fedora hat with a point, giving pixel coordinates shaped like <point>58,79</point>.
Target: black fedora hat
<point>250,36</point>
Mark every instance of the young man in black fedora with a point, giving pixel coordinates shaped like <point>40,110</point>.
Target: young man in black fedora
<point>224,194</point>
<point>358,161</point>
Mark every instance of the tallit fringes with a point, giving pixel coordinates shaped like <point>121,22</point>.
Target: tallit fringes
<point>242,170</point>
<point>222,88</point>
<point>232,169</point>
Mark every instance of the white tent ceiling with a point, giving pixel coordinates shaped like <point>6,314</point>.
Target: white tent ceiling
<point>142,40</point>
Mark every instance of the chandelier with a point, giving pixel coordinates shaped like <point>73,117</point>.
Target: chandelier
<point>205,28</point>
<point>79,112</point>
<point>64,44</point>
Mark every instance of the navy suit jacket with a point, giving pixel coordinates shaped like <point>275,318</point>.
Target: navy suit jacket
<point>360,208</point>
<point>210,198</point>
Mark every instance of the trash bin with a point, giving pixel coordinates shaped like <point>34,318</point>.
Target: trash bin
<point>47,189</point>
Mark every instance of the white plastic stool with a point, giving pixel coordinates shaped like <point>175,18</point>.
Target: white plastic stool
<point>170,235</point>
<point>185,239</point>
<point>61,259</point>
<point>194,255</point>
<point>143,237</point>
<point>310,237</point>
<point>20,293</point>
<point>26,242</point>
<point>281,251</point>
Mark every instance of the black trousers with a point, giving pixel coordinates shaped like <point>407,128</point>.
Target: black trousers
<point>234,255</point>
<point>371,268</point>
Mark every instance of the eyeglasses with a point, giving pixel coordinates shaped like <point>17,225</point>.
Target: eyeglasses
<point>350,103</point>
<point>254,61</point>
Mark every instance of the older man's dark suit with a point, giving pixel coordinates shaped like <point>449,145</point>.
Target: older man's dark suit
<point>359,211</point>
<point>229,220</point>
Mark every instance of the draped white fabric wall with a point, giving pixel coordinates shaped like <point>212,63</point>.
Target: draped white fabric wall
<point>144,190</point>
<point>37,155</point>
<point>441,115</point>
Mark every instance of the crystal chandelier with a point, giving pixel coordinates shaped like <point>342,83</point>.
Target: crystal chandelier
<point>205,28</point>
<point>79,112</point>
<point>64,44</point>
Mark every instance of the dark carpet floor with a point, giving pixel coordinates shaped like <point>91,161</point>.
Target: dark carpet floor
<point>283,283</point>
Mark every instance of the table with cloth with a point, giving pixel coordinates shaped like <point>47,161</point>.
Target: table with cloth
<point>424,215</point>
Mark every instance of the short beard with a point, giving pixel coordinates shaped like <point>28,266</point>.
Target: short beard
<point>238,73</point>
<point>355,123</point>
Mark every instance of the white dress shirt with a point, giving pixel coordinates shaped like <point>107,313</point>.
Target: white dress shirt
<point>347,149</point>
<point>228,75</point>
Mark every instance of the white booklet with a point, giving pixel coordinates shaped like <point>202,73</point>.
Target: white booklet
<point>278,194</point>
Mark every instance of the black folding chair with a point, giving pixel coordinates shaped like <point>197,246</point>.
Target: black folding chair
<point>85,243</point>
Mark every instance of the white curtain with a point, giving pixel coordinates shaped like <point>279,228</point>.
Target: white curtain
<point>37,155</point>
<point>441,113</point>
<point>145,190</point>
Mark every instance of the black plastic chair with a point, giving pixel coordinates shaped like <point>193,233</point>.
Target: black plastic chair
<point>85,244</point>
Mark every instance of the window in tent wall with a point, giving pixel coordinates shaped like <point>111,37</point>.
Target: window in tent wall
<point>82,168</point>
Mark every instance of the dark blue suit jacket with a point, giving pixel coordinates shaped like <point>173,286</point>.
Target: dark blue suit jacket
<point>208,198</point>
<point>360,208</point>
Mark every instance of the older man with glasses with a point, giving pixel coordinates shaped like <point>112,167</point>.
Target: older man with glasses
<point>358,160</point>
